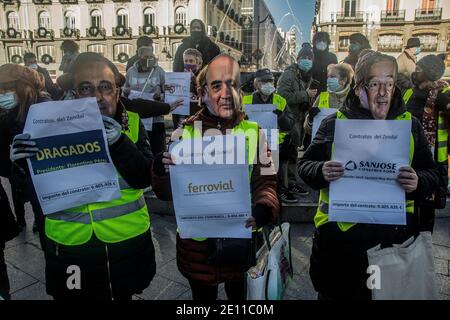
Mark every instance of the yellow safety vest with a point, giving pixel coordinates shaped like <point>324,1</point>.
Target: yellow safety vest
<point>324,100</point>
<point>277,100</point>
<point>248,128</point>
<point>112,221</point>
<point>442,133</point>
<point>321,216</point>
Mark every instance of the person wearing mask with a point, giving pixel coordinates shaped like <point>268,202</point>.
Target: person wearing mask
<point>429,101</point>
<point>20,87</point>
<point>293,85</point>
<point>111,241</point>
<point>193,62</point>
<point>264,85</point>
<point>375,97</point>
<point>221,109</point>
<point>339,81</point>
<point>358,42</point>
<point>407,63</point>
<point>147,77</point>
<point>199,40</point>
<point>322,59</point>
<point>30,61</point>
<point>143,41</point>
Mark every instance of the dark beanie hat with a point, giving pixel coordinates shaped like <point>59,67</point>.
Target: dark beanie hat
<point>361,39</point>
<point>306,51</point>
<point>432,66</point>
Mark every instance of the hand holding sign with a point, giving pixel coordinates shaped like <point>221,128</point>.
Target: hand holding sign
<point>332,170</point>
<point>113,129</point>
<point>22,147</point>
<point>408,179</point>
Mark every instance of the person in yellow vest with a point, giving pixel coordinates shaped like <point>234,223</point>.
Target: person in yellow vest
<point>208,262</point>
<point>264,84</point>
<point>339,81</point>
<point>429,101</point>
<point>106,246</point>
<point>338,265</point>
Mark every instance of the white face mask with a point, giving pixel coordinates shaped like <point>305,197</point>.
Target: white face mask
<point>321,46</point>
<point>33,66</point>
<point>267,89</point>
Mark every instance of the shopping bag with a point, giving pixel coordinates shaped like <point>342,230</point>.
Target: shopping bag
<point>406,270</point>
<point>270,277</point>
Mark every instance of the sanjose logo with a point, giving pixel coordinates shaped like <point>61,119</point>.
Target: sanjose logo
<point>351,165</point>
<point>378,165</point>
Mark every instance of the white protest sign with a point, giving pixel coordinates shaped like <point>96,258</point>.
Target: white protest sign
<point>372,152</point>
<point>211,200</point>
<point>73,166</point>
<point>324,112</point>
<point>180,85</point>
<point>147,122</point>
<point>266,119</point>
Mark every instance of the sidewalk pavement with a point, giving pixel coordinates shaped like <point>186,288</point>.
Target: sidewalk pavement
<point>25,261</point>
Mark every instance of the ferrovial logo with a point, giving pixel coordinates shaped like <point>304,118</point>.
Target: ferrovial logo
<point>374,280</point>
<point>351,165</point>
<point>74,280</point>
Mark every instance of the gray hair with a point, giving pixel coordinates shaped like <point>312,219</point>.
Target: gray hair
<point>194,52</point>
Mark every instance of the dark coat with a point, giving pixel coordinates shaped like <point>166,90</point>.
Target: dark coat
<point>51,87</point>
<point>292,86</point>
<point>322,59</point>
<point>208,49</point>
<point>192,255</point>
<point>346,251</point>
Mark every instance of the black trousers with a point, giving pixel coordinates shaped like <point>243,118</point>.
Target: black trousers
<point>18,202</point>
<point>157,138</point>
<point>4,281</point>
<point>235,290</point>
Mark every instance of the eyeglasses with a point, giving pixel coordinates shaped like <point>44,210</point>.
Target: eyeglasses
<point>87,89</point>
<point>375,86</point>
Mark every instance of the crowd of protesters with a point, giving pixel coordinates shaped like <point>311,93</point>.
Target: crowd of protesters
<point>118,254</point>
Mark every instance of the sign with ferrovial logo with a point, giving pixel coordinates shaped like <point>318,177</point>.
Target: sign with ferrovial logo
<point>73,166</point>
<point>371,152</point>
<point>211,187</point>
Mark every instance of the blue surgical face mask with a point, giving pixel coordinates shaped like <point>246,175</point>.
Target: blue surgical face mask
<point>418,50</point>
<point>8,101</point>
<point>333,85</point>
<point>305,64</point>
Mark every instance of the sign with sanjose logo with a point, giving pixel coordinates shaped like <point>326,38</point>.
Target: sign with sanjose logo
<point>372,152</point>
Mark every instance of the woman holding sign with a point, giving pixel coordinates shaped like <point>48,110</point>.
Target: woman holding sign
<point>208,262</point>
<point>339,260</point>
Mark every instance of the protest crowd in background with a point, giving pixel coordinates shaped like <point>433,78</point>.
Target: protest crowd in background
<point>112,242</point>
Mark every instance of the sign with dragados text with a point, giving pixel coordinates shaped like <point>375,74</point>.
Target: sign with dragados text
<point>211,198</point>
<point>372,152</point>
<point>73,165</point>
<point>178,86</point>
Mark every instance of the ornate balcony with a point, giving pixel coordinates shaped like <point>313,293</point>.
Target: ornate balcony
<point>393,16</point>
<point>428,14</point>
<point>122,32</point>
<point>96,33</point>
<point>68,1</point>
<point>350,16</point>
<point>148,30</point>
<point>44,34</point>
<point>69,33</point>
<point>40,2</point>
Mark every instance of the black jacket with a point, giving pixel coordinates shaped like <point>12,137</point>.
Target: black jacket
<point>51,87</point>
<point>347,251</point>
<point>319,69</point>
<point>208,49</point>
<point>416,106</point>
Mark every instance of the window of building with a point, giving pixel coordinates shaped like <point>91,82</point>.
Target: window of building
<point>13,20</point>
<point>180,15</point>
<point>429,41</point>
<point>44,20</point>
<point>69,20</point>
<point>428,5</point>
<point>97,48</point>
<point>390,42</point>
<point>149,17</point>
<point>350,8</point>
<point>122,48</point>
<point>41,50</point>
<point>96,19</point>
<point>122,18</point>
<point>392,5</point>
<point>344,43</point>
<point>14,53</point>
